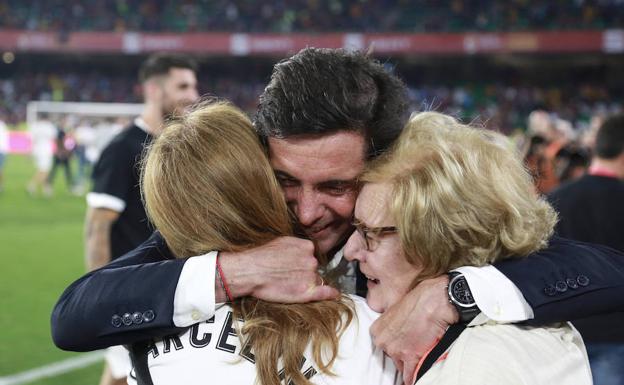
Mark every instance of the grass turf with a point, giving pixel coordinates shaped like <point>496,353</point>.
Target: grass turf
<point>41,249</point>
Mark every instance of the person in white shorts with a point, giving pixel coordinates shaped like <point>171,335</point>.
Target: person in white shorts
<point>449,195</point>
<point>43,133</point>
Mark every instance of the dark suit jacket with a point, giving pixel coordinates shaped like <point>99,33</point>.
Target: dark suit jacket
<point>89,312</point>
<point>143,281</point>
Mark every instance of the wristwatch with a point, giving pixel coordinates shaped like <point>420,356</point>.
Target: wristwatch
<point>461,297</point>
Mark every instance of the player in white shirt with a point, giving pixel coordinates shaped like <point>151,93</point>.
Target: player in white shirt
<point>448,195</point>
<point>43,133</point>
<point>208,185</point>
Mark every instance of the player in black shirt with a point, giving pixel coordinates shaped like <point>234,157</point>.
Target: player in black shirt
<point>116,221</point>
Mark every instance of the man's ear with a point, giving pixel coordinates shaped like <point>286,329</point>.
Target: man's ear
<point>152,91</point>
<point>620,160</point>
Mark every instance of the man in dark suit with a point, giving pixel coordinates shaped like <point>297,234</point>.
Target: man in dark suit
<point>591,209</point>
<point>324,114</point>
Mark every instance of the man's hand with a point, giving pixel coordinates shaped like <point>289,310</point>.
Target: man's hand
<point>409,328</point>
<point>283,270</point>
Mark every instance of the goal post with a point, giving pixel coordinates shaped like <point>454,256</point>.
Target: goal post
<point>91,125</point>
<point>85,109</point>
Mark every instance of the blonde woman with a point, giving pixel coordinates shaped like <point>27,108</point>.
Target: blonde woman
<point>208,185</point>
<point>446,196</point>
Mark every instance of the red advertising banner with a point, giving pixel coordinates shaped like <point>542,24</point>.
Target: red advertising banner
<point>242,44</point>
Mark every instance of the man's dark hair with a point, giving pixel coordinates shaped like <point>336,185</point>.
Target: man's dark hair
<point>610,138</point>
<point>159,64</point>
<point>322,91</point>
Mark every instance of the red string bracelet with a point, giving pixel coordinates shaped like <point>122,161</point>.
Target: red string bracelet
<point>224,284</point>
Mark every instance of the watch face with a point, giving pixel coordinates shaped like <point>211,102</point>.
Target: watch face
<point>461,293</point>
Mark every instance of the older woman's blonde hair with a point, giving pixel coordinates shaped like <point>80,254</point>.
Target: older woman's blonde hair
<point>208,185</point>
<point>461,196</point>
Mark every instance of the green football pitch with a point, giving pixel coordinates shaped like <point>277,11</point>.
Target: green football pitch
<point>41,248</point>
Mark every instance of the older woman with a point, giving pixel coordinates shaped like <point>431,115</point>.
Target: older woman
<point>449,195</point>
<point>208,185</point>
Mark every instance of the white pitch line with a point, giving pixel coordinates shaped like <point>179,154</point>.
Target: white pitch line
<point>53,369</point>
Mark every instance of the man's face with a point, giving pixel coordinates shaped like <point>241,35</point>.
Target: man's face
<point>179,91</point>
<point>318,175</point>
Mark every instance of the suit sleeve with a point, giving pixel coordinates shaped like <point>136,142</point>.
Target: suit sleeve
<point>569,280</point>
<point>128,300</point>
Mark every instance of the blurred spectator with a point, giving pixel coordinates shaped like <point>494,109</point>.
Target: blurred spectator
<point>591,209</point>
<point>62,155</point>
<point>43,133</point>
<point>4,150</point>
<point>553,152</point>
<point>535,159</point>
<point>545,142</point>
<point>105,131</point>
<point>84,137</point>
<point>571,163</point>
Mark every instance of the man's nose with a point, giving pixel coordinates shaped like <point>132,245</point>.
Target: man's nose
<point>309,207</point>
<point>192,95</point>
<point>354,249</point>
<point>195,94</point>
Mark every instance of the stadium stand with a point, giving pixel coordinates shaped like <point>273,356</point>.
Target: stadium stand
<point>498,105</point>
<point>310,15</point>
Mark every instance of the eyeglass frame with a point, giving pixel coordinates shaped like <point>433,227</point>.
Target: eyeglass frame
<point>377,231</point>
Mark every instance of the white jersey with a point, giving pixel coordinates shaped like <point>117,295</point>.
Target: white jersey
<point>211,352</point>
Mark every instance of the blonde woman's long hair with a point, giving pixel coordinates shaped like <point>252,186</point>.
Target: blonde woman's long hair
<point>207,185</point>
<point>461,196</point>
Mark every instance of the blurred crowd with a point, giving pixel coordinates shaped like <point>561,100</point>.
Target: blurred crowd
<point>553,127</point>
<point>18,90</point>
<point>496,105</point>
<point>310,15</point>
<point>554,152</point>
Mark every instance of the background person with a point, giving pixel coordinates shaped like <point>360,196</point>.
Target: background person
<point>43,133</point>
<point>85,136</point>
<point>116,221</point>
<point>208,186</point>
<point>448,195</point>
<point>591,209</point>
<point>62,157</point>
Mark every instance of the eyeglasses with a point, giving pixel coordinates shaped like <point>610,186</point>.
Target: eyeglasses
<point>371,233</point>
